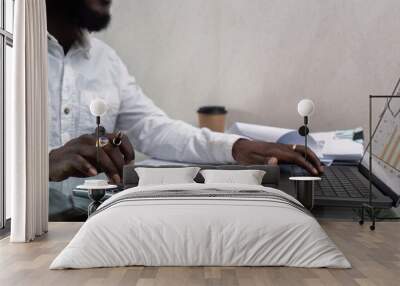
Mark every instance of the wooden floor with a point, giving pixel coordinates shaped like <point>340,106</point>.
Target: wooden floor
<point>375,257</point>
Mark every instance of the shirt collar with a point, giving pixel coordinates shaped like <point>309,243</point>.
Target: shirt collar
<point>84,45</point>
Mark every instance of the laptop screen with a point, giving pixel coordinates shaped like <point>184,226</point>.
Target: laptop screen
<point>386,144</point>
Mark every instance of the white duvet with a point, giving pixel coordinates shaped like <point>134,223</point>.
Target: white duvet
<point>203,231</point>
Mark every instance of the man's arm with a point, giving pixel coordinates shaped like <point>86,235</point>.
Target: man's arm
<point>155,134</point>
<point>158,136</point>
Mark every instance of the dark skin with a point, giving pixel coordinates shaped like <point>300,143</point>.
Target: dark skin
<point>60,25</point>
<point>77,158</point>
<point>65,33</point>
<point>256,152</point>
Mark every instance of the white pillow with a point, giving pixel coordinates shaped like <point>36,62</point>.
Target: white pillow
<point>166,176</point>
<point>248,177</point>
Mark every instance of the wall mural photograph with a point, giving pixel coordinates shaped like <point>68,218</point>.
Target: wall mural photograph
<point>198,142</point>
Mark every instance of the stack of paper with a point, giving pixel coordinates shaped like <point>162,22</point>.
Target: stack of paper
<point>326,145</point>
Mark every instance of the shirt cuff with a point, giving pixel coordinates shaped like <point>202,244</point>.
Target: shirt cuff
<point>229,141</point>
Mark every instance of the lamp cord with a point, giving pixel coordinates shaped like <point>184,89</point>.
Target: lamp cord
<point>305,137</point>
<point>98,143</point>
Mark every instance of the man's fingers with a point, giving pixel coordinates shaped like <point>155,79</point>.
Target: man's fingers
<point>109,167</point>
<point>311,156</point>
<point>299,160</point>
<point>290,156</point>
<point>116,156</point>
<point>83,167</point>
<point>127,149</point>
<point>255,152</point>
<point>106,164</point>
<point>88,139</point>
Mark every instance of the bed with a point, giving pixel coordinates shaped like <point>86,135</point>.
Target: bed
<point>196,224</point>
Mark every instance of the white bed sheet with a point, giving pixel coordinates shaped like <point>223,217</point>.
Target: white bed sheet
<point>200,232</point>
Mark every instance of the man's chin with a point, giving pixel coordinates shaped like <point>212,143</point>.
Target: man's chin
<point>95,22</point>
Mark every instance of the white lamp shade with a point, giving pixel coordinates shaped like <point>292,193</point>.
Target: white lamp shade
<point>98,107</point>
<point>305,107</point>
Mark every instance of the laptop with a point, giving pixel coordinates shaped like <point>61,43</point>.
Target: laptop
<point>346,184</point>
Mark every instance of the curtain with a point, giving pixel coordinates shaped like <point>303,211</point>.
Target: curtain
<point>26,124</point>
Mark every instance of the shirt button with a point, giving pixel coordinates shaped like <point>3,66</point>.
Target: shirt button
<point>67,111</point>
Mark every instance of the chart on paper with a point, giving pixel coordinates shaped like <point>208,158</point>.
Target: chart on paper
<point>386,142</point>
<point>386,145</point>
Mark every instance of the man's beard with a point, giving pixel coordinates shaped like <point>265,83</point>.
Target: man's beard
<point>81,15</point>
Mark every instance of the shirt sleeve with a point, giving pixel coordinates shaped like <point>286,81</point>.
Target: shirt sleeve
<point>153,133</point>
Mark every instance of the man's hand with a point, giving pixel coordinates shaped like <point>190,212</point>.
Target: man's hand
<point>78,158</point>
<point>256,152</point>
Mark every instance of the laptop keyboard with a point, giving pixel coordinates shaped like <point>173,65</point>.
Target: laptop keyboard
<point>340,181</point>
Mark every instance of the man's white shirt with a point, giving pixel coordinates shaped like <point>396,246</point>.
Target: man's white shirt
<point>91,70</point>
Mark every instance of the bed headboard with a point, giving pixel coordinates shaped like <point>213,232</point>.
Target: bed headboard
<point>271,177</point>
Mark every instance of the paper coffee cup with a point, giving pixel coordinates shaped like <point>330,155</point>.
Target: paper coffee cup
<point>212,117</point>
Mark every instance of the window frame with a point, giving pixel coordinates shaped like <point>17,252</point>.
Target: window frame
<point>6,39</point>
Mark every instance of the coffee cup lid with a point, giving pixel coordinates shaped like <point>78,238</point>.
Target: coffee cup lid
<point>212,110</point>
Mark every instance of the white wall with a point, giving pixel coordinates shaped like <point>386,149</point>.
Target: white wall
<point>259,57</point>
